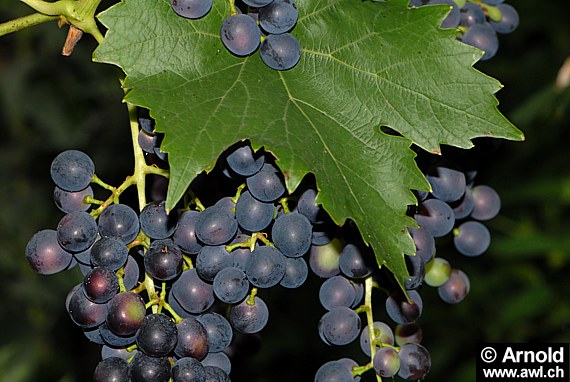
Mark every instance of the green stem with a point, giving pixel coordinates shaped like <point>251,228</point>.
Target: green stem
<point>25,22</point>
<point>99,182</point>
<point>368,286</point>
<point>188,264</point>
<point>284,205</point>
<point>238,192</point>
<point>140,163</point>
<point>251,299</point>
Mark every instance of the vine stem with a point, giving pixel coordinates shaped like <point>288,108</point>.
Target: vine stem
<point>368,287</point>
<point>140,164</point>
<point>25,22</point>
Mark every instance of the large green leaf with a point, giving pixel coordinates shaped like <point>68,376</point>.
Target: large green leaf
<point>364,65</point>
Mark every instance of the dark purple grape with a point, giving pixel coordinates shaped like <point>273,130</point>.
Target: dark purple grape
<point>447,183</point>
<point>45,255</point>
<point>216,225</point>
<point>265,267</point>
<point>76,231</point>
<point>292,233</point>
<point>278,17</point>
<point>339,326</point>
<point>243,162</point>
<point>436,217</point>
<point>471,238</point>
<point>408,334</point>
<point>188,369</point>
<point>123,353</point>
<point>72,170</point>
<point>84,312</point>
<point>131,273</point>
<point>386,362</point>
<point>296,272</point>
<point>219,331</point>
<point>68,201</point>
<point>231,285</point>
<point>111,369</point>
<point>401,310</point>
<point>109,252</point>
<point>336,291</point>
<point>125,313</point>
<point>156,223</point>
<point>218,359</point>
<point>112,339</point>
<point>464,206</point>
<point>185,233</point>
<point>193,294</point>
<point>163,260</point>
<point>487,203</point>
<point>191,9</point>
<point>307,206</point>
<point>144,368</point>
<point>240,34</point>
<point>456,288</point>
<point>509,19</point>
<point>267,184</point>
<point>157,335</point>
<point>482,36</point>
<point>353,262</point>
<point>246,318</point>
<point>280,51</point>
<point>147,141</point>
<point>100,285</point>
<point>425,244</point>
<point>415,362</point>
<point>471,13</point>
<point>119,221</point>
<point>416,270</point>
<point>253,215</point>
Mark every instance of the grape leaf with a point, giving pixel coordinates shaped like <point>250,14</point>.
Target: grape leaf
<point>364,65</point>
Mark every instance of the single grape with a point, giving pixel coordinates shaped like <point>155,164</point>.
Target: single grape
<point>266,185</point>
<point>231,285</point>
<point>386,362</point>
<point>436,217</point>
<point>219,331</point>
<point>415,362</point>
<point>147,141</point>
<point>188,369</point>
<point>307,206</point>
<point>113,339</point>
<point>249,318</point>
<point>401,310</point>
<point>119,221</point>
<point>68,201</point>
<point>109,252</point>
<point>417,271</point>
<point>163,260</point>
<point>76,231</point>
<point>334,371</point>
<point>425,243</point>
<point>240,34</point>
<point>278,17</point>
<point>265,267</point>
<point>447,183</point>
<point>353,262</point>
<point>339,326</point>
<point>111,369</point>
<point>484,37</point>
<point>156,223</point>
<point>144,368</point>
<point>100,285</point>
<point>292,234</point>
<point>509,19</point>
<point>243,162</point>
<point>193,294</point>
<point>185,233</point>
<point>218,359</point>
<point>125,313</point>
<point>471,13</point>
<point>456,288</point>
<point>83,312</point>
<point>464,206</point>
<point>437,272</point>
<point>157,335</point>
<point>487,203</point>
<point>253,215</point>
<point>336,291</point>
<point>216,225</point>
<point>191,9</point>
<point>131,273</point>
<point>72,170</point>
<point>324,259</point>
<point>471,238</point>
<point>408,334</point>
<point>280,51</point>
<point>45,255</point>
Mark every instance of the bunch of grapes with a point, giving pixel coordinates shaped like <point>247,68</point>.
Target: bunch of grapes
<point>478,22</point>
<point>166,293</point>
<point>253,24</point>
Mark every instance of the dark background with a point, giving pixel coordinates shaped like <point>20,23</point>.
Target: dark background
<point>520,289</point>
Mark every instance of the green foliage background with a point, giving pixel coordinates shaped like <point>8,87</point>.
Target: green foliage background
<point>520,287</point>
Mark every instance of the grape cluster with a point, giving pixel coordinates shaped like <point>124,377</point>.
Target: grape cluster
<point>253,24</point>
<point>479,22</point>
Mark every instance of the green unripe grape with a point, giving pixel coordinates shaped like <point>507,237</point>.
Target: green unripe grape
<point>438,271</point>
